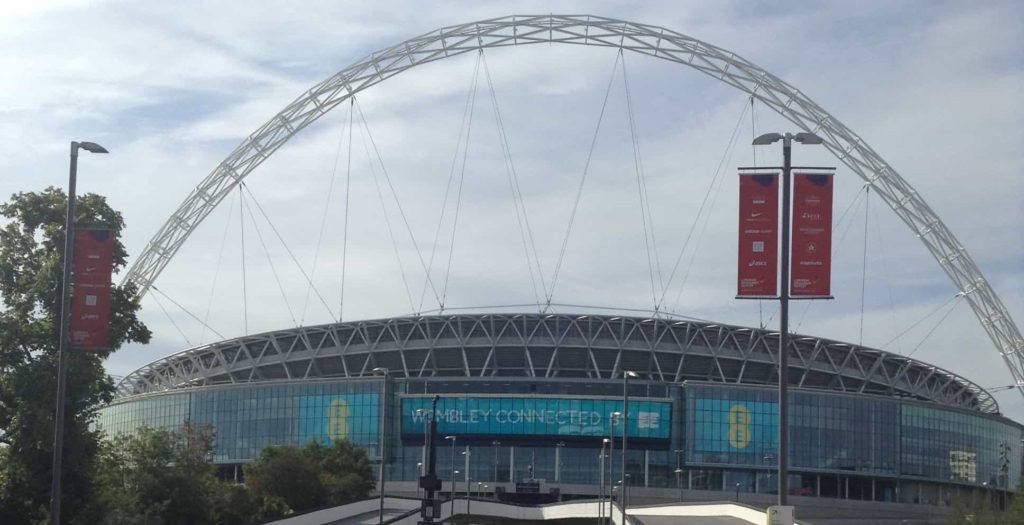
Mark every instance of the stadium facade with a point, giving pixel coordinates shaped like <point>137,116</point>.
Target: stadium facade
<point>531,396</point>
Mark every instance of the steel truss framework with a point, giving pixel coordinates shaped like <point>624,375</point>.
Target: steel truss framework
<point>644,39</point>
<point>552,346</point>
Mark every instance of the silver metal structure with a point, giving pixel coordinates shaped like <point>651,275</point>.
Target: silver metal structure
<point>558,347</point>
<point>644,39</point>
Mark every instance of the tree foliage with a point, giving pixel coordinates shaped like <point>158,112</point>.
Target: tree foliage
<point>164,476</point>
<point>31,255</point>
<point>312,476</point>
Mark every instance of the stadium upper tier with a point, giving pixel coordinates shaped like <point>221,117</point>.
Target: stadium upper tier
<point>553,346</point>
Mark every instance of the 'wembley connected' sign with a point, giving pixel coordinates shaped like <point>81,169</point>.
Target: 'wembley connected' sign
<point>534,416</point>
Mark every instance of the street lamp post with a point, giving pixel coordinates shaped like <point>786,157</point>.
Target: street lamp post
<point>468,497</point>
<point>763,140</point>
<point>382,449</point>
<point>679,472</point>
<point>558,461</point>
<point>65,327</point>
<point>600,490</point>
<point>494,445</point>
<point>419,472</point>
<point>625,436</point>
<point>452,439</point>
<point>611,462</point>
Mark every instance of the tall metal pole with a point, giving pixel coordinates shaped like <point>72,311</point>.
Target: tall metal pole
<point>611,463</point>
<point>679,472</point>
<point>430,479</point>
<point>452,495</point>
<point>62,345</point>
<point>784,326</point>
<point>382,450</point>
<point>625,437</point>
<point>65,329</point>
<point>468,497</point>
<point>600,490</point>
<point>495,444</point>
<point>787,143</point>
<point>558,461</point>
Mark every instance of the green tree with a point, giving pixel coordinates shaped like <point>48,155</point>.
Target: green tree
<point>165,476</point>
<point>31,252</point>
<point>158,473</point>
<point>312,476</point>
<point>1015,512</point>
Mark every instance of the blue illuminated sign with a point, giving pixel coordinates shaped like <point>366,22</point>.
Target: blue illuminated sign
<point>512,416</point>
<point>735,426</point>
<point>345,416</point>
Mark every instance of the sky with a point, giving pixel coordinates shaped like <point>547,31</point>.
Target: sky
<point>171,88</point>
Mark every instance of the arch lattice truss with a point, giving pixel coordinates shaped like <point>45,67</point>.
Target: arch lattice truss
<point>648,40</point>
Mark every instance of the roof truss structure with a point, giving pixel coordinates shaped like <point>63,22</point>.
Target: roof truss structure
<point>552,346</point>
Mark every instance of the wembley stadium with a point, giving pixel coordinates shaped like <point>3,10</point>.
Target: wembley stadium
<point>530,396</point>
<point>528,402</point>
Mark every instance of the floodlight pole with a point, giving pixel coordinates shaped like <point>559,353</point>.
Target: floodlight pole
<point>787,166</point>
<point>65,329</point>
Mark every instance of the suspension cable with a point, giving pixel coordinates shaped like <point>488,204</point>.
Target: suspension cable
<point>458,194</point>
<point>245,292</point>
<point>470,95</point>
<point>323,223</point>
<point>836,247</point>
<point>216,270</point>
<point>288,250</point>
<point>641,187</point>
<point>937,324</point>
<point>518,202</point>
<point>923,319</point>
<point>387,222</point>
<point>270,261</point>
<point>864,262</point>
<point>583,180</point>
<point>753,150</point>
<point>187,312</point>
<point>885,272</point>
<point>394,195</point>
<point>348,193</point>
<point>712,194</point>
<point>188,344</point>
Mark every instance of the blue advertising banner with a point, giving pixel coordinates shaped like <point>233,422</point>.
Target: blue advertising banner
<point>326,418</point>
<point>535,416</point>
<point>735,426</point>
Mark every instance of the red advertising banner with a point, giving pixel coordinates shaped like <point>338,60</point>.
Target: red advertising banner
<point>758,266</point>
<point>811,275</point>
<point>90,297</point>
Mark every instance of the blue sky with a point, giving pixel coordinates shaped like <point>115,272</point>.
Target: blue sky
<point>171,88</point>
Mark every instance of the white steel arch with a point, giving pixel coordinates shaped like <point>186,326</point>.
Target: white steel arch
<point>645,39</point>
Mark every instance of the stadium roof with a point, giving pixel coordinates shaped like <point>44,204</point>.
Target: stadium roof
<point>552,346</point>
